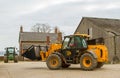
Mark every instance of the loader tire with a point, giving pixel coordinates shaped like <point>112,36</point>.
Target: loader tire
<point>5,59</point>
<point>16,59</point>
<point>100,64</point>
<point>88,62</point>
<point>54,62</point>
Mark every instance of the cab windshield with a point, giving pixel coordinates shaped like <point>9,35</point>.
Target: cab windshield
<point>10,50</point>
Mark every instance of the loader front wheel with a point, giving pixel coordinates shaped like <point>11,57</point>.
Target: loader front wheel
<point>54,62</point>
<point>88,62</point>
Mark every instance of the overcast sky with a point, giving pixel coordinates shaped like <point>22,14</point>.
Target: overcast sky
<point>66,14</point>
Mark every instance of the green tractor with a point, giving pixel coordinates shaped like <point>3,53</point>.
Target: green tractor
<point>10,54</point>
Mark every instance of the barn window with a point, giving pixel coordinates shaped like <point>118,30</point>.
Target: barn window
<point>90,32</point>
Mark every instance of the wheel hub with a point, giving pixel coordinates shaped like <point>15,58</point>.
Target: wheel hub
<point>87,61</point>
<point>54,62</point>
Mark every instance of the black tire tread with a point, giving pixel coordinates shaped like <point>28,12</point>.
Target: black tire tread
<point>59,61</point>
<point>94,62</point>
<point>15,58</point>
<point>5,59</point>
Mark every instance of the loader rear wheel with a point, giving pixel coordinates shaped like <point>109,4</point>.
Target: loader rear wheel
<point>54,62</point>
<point>88,62</point>
<point>100,64</point>
<point>5,59</point>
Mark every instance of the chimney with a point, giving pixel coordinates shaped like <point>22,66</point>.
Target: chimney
<point>48,40</point>
<point>21,28</point>
<point>59,37</point>
<point>56,30</point>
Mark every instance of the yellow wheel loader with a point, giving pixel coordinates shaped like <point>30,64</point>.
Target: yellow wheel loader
<point>73,50</point>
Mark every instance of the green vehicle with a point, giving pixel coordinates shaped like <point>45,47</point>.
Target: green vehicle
<point>10,54</point>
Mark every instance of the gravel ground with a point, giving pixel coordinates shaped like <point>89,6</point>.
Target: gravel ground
<point>40,70</point>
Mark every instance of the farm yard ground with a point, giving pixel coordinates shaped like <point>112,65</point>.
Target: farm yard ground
<point>40,70</point>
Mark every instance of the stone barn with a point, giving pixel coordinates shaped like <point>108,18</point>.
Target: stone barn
<point>107,29</point>
<point>27,39</point>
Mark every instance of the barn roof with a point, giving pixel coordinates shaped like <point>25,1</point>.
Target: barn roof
<point>112,25</point>
<point>37,36</point>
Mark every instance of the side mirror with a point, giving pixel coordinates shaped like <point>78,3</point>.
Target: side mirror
<point>5,48</point>
<point>16,48</point>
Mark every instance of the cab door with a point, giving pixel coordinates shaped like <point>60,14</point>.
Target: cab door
<point>71,47</point>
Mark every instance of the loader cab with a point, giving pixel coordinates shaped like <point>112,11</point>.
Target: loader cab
<point>74,42</point>
<point>72,46</point>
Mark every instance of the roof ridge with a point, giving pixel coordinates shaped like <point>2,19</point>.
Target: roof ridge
<point>38,32</point>
<point>101,18</point>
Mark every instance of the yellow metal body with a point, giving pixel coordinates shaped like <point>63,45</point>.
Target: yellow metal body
<point>100,51</point>
<point>83,35</point>
<point>52,48</point>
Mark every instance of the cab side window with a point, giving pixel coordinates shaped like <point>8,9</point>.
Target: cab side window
<point>78,42</point>
<point>75,42</point>
<point>72,44</point>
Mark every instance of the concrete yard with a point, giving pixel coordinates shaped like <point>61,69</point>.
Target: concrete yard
<point>40,70</point>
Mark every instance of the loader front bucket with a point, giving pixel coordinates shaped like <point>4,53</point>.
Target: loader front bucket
<point>32,53</point>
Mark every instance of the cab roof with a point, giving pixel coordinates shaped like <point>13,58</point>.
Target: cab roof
<point>81,35</point>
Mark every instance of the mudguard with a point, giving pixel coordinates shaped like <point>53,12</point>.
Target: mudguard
<point>61,56</point>
<point>92,53</point>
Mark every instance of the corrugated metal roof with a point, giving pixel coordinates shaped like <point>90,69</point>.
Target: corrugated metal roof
<point>105,23</point>
<point>37,36</point>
